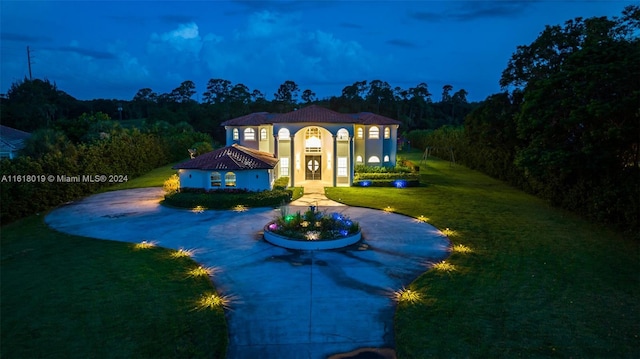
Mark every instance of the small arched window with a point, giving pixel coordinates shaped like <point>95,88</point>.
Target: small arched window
<point>386,158</point>
<point>236,135</point>
<point>263,134</point>
<point>359,159</point>
<point>374,133</point>
<point>249,134</point>
<point>387,132</point>
<point>230,179</point>
<point>343,135</point>
<point>374,159</point>
<point>360,132</point>
<point>284,134</point>
<point>216,179</point>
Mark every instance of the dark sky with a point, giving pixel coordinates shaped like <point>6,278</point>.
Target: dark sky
<point>111,49</point>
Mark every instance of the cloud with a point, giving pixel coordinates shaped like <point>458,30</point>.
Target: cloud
<point>8,36</point>
<point>100,55</point>
<point>401,43</point>
<point>474,10</point>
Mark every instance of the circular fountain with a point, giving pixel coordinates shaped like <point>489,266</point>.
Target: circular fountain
<point>312,230</point>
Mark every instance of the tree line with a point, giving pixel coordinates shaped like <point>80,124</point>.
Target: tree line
<point>33,104</point>
<point>567,126</point>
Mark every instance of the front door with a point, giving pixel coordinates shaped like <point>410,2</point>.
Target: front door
<point>312,167</point>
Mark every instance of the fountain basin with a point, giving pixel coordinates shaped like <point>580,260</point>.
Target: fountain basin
<point>309,245</point>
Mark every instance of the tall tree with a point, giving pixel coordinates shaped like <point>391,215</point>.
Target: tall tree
<point>287,92</point>
<point>218,90</point>
<point>184,92</point>
<point>308,96</point>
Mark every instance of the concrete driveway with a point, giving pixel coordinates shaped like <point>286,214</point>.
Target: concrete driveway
<point>287,304</point>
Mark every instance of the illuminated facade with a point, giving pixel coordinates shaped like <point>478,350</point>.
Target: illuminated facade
<point>317,144</point>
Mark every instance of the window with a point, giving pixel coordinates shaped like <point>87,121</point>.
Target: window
<point>343,135</point>
<point>216,179</point>
<point>359,159</point>
<point>313,140</point>
<point>360,132</point>
<point>374,159</point>
<point>342,167</point>
<point>284,167</point>
<point>386,158</point>
<point>249,134</point>
<point>387,132</point>
<point>263,134</point>
<point>284,134</point>
<point>230,179</point>
<point>236,136</point>
<point>374,133</point>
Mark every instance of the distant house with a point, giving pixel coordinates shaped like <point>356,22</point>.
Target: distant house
<point>317,144</point>
<point>229,167</point>
<point>11,141</point>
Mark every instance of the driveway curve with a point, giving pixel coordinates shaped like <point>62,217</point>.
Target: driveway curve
<point>287,304</point>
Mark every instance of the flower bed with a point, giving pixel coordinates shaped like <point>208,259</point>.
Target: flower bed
<point>312,230</point>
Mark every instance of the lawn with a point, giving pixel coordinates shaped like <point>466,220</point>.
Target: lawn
<point>65,296</point>
<point>538,282</point>
<point>154,178</point>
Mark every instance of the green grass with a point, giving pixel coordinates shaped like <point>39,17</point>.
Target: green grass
<point>154,178</point>
<point>539,282</point>
<point>65,296</point>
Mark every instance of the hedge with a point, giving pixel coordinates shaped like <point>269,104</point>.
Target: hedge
<point>227,199</point>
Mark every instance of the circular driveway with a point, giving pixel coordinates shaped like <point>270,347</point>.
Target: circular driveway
<point>287,303</point>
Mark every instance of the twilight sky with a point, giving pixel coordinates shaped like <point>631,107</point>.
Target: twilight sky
<point>111,49</point>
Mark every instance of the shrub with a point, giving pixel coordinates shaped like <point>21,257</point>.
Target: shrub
<point>172,184</point>
<point>226,199</point>
<point>281,183</point>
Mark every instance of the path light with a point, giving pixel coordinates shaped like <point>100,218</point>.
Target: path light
<point>144,245</point>
<point>213,301</point>
<point>461,248</point>
<point>422,219</point>
<point>240,208</point>
<point>444,267</point>
<point>182,253</point>
<point>388,209</point>
<point>198,209</point>
<point>201,271</point>
<point>449,232</point>
<point>405,295</point>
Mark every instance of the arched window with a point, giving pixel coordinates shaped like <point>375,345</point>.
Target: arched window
<point>284,134</point>
<point>387,132</point>
<point>249,134</point>
<point>360,132</point>
<point>374,133</point>
<point>216,179</point>
<point>313,140</point>
<point>236,135</point>
<point>230,179</point>
<point>374,159</point>
<point>359,159</point>
<point>343,135</point>
<point>263,134</point>
<point>386,158</point>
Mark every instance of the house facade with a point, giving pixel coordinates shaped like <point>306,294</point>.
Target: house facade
<point>318,144</point>
<point>229,168</point>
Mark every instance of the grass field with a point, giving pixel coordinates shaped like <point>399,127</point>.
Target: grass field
<point>154,178</point>
<point>537,282</point>
<point>64,296</point>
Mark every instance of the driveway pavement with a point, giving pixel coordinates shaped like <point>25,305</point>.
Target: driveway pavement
<point>287,304</point>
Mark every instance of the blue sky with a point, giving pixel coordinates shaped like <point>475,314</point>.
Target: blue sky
<point>111,49</point>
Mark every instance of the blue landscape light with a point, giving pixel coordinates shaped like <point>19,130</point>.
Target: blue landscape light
<point>400,183</point>
<point>365,183</point>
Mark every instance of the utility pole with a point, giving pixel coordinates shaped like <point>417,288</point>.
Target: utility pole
<point>29,61</point>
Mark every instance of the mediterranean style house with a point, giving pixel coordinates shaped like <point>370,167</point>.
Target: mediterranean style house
<point>317,144</point>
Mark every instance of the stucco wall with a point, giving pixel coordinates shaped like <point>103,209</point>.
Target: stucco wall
<point>252,180</point>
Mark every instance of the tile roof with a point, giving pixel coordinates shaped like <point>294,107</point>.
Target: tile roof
<point>313,113</point>
<point>234,158</point>
<point>11,138</point>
